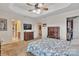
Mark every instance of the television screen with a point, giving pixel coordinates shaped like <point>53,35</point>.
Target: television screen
<point>27,26</point>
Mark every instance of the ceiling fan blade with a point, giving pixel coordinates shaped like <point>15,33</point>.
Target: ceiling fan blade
<point>29,10</point>
<point>45,9</point>
<point>29,4</point>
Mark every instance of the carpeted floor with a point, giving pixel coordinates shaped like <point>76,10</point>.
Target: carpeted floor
<point>14,49</point>
<point>18,49</point>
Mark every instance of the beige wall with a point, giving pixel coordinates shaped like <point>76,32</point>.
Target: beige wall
<point>58,20</point>
<point>7,35</point>
<point>76,28</point>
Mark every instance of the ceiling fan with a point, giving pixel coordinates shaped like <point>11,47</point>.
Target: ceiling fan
<point>38,7</point>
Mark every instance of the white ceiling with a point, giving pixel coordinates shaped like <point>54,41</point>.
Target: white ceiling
<point>23,9</point>
<point>53,9</point>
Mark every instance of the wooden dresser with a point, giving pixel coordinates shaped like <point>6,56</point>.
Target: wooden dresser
<point>54,32</point>
<point>28,36</point>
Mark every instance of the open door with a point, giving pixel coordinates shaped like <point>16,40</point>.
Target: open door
<point>39,30</point>
<point>16,29</point>
<point>69,29</point>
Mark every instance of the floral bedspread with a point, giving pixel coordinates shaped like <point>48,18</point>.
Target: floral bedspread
<point>49,47</point>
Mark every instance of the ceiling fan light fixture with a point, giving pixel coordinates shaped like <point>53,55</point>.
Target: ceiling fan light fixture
<point>38,7</point>
<point>38,11</point>
<point>34,11</point>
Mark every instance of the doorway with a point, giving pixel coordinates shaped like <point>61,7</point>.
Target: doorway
<point>16,29</point>
<point>72,28</point>
<point>69,29</point>
<point>40,31</point>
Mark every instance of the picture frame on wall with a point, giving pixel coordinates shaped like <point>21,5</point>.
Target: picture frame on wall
<point>27,26</point>
<point>3,24</point>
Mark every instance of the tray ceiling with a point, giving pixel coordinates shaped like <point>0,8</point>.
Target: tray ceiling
<point>22,8</point>
<point>53,9</point>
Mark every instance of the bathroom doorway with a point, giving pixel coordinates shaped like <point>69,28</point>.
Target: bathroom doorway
<point>16,29</point>
<point>40,30</point>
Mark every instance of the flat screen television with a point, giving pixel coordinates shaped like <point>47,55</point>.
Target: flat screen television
<point>27,26</point>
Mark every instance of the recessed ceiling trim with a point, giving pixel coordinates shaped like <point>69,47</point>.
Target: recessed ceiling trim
<point>51,9</point>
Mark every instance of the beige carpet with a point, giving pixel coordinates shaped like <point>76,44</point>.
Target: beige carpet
<point>14,49</point>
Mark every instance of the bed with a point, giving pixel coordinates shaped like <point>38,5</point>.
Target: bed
<point>49,47</point>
